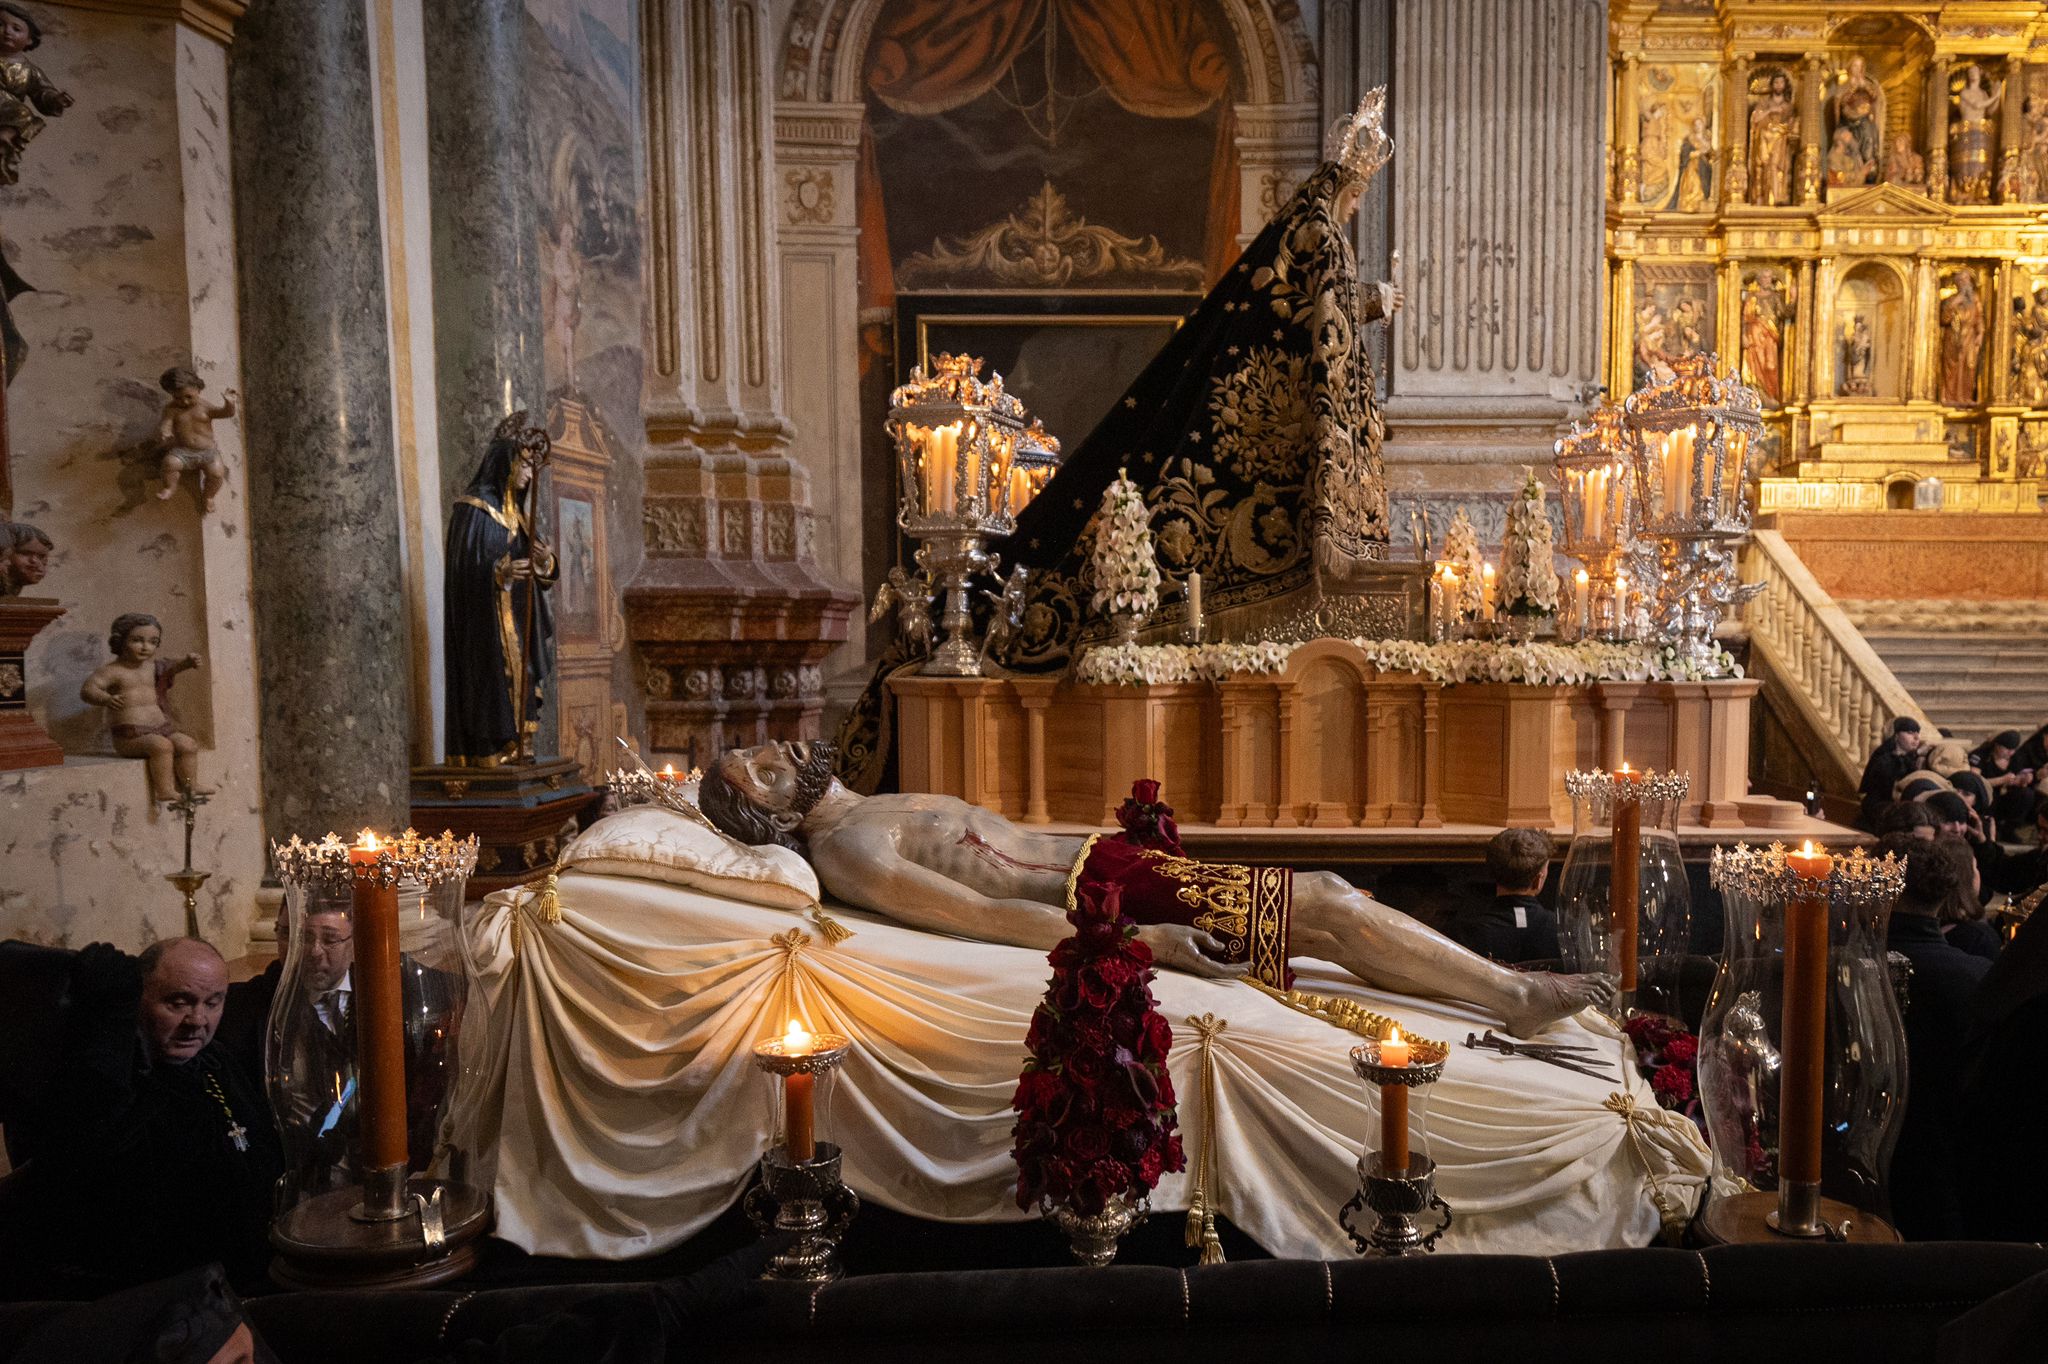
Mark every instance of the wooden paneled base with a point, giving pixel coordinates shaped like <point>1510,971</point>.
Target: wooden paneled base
<point>1330,744</point>
<point>23,742</point>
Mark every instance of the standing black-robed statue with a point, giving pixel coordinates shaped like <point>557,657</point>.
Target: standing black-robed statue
<point>499,632</point>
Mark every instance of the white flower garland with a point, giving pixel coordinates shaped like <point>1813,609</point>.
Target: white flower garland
<point>1471,660</point>
<point>1528,571</point>
<point>1126,570</point>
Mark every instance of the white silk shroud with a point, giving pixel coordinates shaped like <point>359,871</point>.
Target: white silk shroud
<point>612,1071</point>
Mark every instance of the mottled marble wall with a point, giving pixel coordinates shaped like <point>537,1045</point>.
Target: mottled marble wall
<point>123,222</point>
<point>588,153</point>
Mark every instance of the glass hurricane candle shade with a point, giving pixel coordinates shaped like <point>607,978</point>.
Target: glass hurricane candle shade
<point>1038,458</point>
<point>1635,925</point>
<point>800,1068</point>
<point>1396,1174</point>
<point>1862,1045</point>
<point>1596,485</point>
<point>957,438</point>
<point>364,1062</point>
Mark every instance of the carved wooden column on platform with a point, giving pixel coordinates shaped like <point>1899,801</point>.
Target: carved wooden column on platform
<point>731,614</point>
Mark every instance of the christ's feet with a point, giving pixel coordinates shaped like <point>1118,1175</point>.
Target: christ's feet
<point>1547,998</point>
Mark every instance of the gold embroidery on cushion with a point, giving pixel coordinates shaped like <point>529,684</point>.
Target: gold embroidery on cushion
<point>1219,892</point>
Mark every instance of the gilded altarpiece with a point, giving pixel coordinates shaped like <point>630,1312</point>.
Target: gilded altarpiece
<point>1852,206</point>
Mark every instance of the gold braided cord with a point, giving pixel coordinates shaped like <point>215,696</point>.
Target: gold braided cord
<point>1350,1016</point>
<point>1074,872</point>
<point>1201,1225</point>
<point>1669,1212</point>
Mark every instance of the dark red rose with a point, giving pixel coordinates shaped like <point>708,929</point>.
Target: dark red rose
<point>1649,1031</point>
<point>1095,992</point>
<point>1150,1166</point>
<point>1133,1142</point>
<point>1682,1050</point>
<point>1120,1116</point>
<point>1175,1160</point>
<point>1036,1090</point>
<point>1158,1037</point>
<point>1108,1178</point>
<point>1672,1085</point>
<point>1086,1142</point>
<point>1145,791</point>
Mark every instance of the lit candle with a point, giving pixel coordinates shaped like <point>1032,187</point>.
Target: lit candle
<point>1582,602</point>
<point>1486,593</point>
<point>380,1011</point>
<point>799,1119</point>
<point>1624,890</point>
<point>1194,599</point>
<point>1621,622</point>
<point>1454,608</point>
<point>1394,1106</point>
<point>1593,502</point>
<point>667,773</point>
<point>1804,1026</point>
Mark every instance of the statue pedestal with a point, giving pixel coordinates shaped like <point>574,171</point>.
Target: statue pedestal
<point>522,815</point>
<point>22,741</point>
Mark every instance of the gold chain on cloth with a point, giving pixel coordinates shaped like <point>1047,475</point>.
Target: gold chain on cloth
<point>1201,1226</point>
<point>1344,1013</point>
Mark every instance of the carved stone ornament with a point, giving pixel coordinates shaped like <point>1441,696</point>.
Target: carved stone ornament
<point>808,197</point>
<point>1046,245</point>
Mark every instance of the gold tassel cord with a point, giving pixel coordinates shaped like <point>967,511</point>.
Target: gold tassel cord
<point>547,909</point>
<point>1201,1225</point>
<point>1633,1120</point>
<point>834,931</point>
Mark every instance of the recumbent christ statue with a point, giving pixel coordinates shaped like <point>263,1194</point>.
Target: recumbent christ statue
<point>937,863</point>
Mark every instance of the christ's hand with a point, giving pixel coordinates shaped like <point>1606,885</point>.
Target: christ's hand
<point>1181,948</point>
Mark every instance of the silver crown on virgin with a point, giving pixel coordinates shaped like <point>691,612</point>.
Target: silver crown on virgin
<point>1358,141</point>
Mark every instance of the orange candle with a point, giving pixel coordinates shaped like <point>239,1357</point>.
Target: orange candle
<point>1804,1025</point>
<point>1394,1107</point>
<point>380,1010</point>
<point>799,1115</point>
<point>1625,891</point>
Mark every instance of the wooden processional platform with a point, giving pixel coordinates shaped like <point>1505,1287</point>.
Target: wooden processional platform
<point>1334,760</point>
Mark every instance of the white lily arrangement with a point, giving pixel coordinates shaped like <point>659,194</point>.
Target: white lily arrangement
<point>1528,576</point>
<point>1126,569</point>
<point>1471,660</point>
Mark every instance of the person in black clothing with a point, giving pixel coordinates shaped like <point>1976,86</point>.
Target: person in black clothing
<point>2033,751</point>
<point>1933,1145</point>
<point>1514,927</point>
<point>2003,1103</point>
<point>1908,817</point>
<point>1891,760</point>
<point>162,1153</point>
<point>2011,782</point>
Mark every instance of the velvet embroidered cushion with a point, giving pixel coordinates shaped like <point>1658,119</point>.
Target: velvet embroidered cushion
<point>659,845</point>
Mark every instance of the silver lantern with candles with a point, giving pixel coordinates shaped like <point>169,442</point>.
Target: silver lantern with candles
<point>1596,493</point>
<point>957,437</point>
<point>1690,442</point>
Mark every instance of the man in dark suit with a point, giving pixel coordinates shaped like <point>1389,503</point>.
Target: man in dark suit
<point>1932,1147</point>
<point>1891,760</point>
<point>1514,927</point>
<point>161,1152</point>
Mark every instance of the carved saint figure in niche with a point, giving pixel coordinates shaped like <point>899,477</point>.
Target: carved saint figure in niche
<point>1651,367</point>
<point>26,94</point>
<point>1688,327</point>
<point>24,557</point>
<point>1970,138</point>
<point>2030,350</point>
<point>1904,166</point>
<point>1773,125</point>
<point>1653,152</point>
<point>2033,449</point>
<point>2034,140</point>
<point>1845,167</point>
<point>2016,182</point>
<point>1856,352</point>
<point>135,688</point>
<point>1696,168</point>
<point>500,632</point>
<point>185,434</point>
<point>1766,303</point>
<point>1858,109</point>
<point>1962,340</point>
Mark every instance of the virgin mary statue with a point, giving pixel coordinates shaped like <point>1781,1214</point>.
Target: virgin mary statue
<point>499,632</point>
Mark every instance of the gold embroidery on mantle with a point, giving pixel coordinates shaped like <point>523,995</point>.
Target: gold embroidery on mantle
<point>1045,245</point>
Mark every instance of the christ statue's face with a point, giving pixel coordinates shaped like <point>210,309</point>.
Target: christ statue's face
<point>765,774</point>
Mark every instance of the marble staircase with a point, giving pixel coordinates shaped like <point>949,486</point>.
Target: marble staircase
<point>1974,667</point>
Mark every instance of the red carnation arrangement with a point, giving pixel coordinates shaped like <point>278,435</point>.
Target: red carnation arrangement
<point>1095,1114</point>
<point>1669,1056</point>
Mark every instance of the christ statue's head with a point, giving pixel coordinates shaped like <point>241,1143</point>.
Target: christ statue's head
<point>761,795</point>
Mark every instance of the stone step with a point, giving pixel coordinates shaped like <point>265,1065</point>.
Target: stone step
<point>1959,646</point>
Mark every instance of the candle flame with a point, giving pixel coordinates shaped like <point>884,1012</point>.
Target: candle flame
<point>367,840</point>
<point>1583,577</point>
<point>668,771</point>
<point>1806,848</point>
<point>1393,1032</point>
<point>1624,768</point>
<point>1488,568</point>
<point>796,1039</point>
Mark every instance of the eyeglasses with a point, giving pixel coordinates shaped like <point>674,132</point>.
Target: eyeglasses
<point>325,944</point>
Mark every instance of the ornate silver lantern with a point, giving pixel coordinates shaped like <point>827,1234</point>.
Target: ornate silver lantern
<point>1038,458</point>
<point>1690,441</point>
<point>956,438</point>
<point>1596,492</point>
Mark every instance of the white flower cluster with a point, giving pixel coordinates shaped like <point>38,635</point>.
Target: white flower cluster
<point>1461,552</point>
<point>1469,660</point>
<point>1126,571</point>
<point>1528,578</point>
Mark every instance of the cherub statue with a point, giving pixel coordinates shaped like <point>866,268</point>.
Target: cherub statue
<point>911,595</point>
<point>24,557</point>
<point>186,434</point>
<point>135,688</point>
<point>26,94</point>
<point>1006,620</point>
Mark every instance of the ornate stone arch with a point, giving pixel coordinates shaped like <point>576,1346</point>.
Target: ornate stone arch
<point>825,42</point>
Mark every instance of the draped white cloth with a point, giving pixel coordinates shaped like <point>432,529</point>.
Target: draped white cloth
<point>618,1090</point>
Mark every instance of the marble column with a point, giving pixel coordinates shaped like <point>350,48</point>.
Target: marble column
<point>1366,33</point>
<point>487,337</point>
<point>324,517</point>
